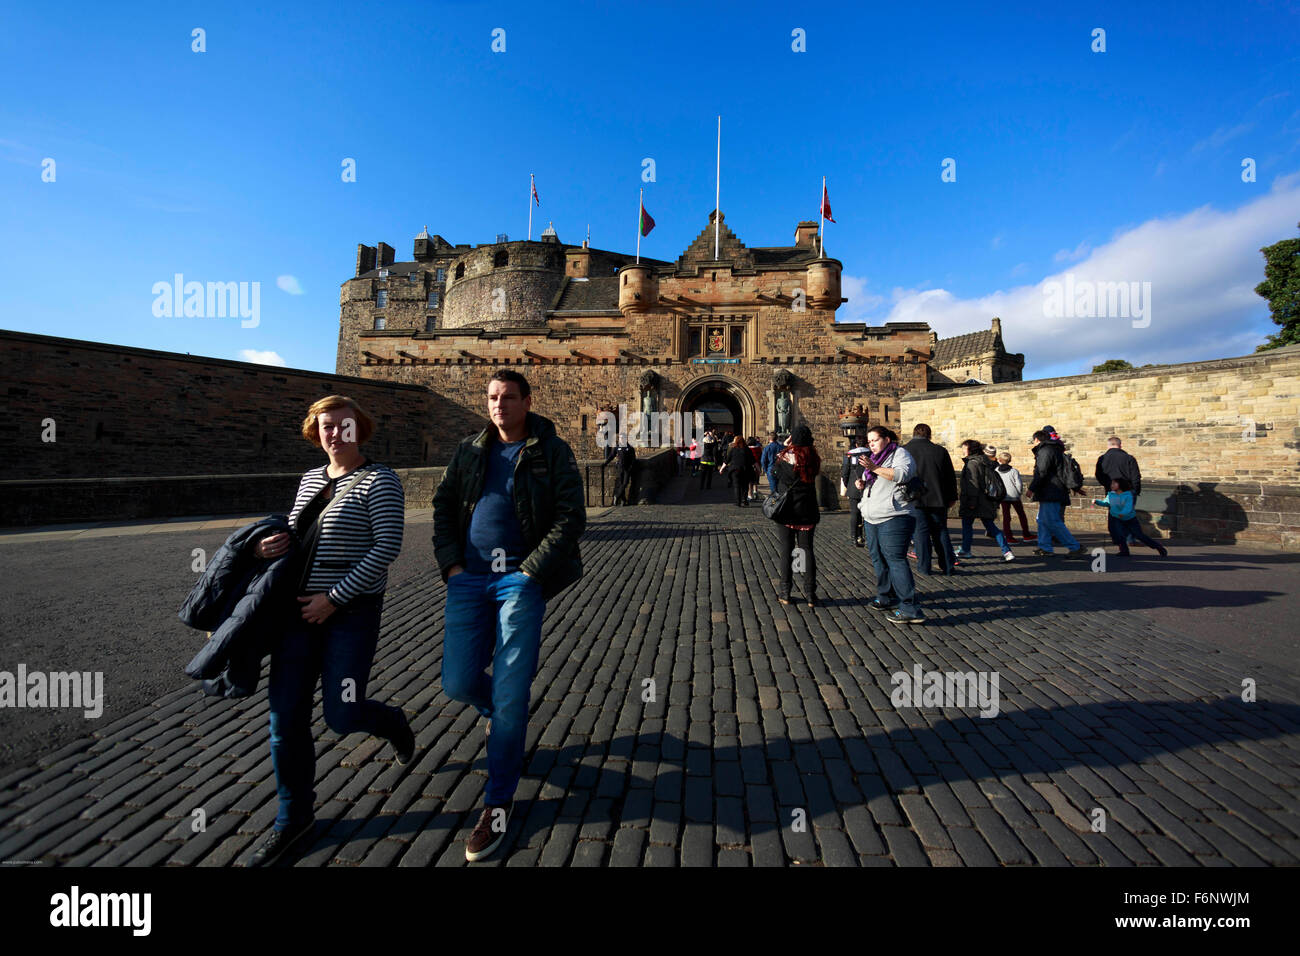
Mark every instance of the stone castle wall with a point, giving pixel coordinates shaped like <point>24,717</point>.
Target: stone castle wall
<point>121,412</point>
<point>1221,439</point>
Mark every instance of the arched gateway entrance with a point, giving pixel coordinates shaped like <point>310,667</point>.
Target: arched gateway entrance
<point>724,402</point>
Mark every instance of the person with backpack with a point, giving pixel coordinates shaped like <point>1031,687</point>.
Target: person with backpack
<point>797,514</point>
<point>1015,487</point>
<point>708,459</point>
<point>1123,520</point>
<point>981,491</point>
<point>1050,487</point>
<point>739,467</point>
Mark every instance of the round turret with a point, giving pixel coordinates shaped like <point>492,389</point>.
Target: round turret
<point>638,289</point>
<point>503,285</point>
<point>824,283</point>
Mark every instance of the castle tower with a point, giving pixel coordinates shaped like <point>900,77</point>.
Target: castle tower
<point>638,289</point>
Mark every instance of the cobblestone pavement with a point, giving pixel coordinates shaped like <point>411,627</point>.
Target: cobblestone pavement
<point>771,737</point>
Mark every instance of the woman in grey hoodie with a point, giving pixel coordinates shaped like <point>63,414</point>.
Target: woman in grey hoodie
<point>888,521</point>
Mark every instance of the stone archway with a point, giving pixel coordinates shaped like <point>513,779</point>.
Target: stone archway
<point>724,402</point>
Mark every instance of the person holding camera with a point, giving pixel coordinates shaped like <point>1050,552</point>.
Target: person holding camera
<point>889,521</point>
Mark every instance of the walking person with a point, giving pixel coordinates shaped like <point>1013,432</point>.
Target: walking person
<point>708,460</point>
<point>978,478</point>
<point>850,472</point>
<point>1122,519</point>
<point>353,510</point>
<point>934,467</point>
<point>1050,488</point>
<point>796,470</point>
<point>627,468</point>
<point>1114,463</point>
<point>1015,486</point>
<point>738,467</point>
<point>506,522</point>
<point>755,470</point>
<point>768,460</point>
<point>890,523</point>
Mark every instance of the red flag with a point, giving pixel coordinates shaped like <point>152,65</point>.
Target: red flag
<point>647,222</point>
<point>826,204</point>
<point>534,184</point>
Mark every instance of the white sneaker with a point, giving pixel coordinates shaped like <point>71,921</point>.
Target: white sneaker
<point>1008,556</point>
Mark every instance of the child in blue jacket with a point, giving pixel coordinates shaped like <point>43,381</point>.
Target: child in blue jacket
<point>1122,521</point>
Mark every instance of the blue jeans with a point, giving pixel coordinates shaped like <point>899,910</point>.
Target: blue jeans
<point>968,528</point>
<point>1124,530</point>
<point>887,545</point>
<point>494,619</point>
<point>1051,525</point>
<point>339,649</point>
<point>932,530</point>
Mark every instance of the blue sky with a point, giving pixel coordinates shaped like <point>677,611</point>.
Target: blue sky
<point>225,165</point>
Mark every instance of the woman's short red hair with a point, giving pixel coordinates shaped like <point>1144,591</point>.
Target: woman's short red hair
<point>311,427</point>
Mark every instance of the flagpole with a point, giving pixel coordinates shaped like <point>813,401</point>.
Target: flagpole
<point>639,208</point>
<point>717,200</point>
<point>821,218</point>
<point>531,187</point>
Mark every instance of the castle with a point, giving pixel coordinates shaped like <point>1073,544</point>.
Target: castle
<point>746,336</point>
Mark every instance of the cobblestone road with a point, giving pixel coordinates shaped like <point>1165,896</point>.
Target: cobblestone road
<point>771,738</point>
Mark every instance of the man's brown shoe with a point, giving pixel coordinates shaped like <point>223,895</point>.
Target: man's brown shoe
<point>488,832</point>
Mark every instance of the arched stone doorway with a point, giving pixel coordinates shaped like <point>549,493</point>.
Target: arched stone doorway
<point>725,404</point>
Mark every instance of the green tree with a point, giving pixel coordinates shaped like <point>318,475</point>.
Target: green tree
<point>1113,365</point>
<point>1281,286</point>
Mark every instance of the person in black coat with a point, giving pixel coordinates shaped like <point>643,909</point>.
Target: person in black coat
<point>1049,489</point>
<point>934,466</point>
<point>977,475</point>
<point>850,472</point>
<point>1114,463</point>
<point>796,471</point>
<point>739,468</point>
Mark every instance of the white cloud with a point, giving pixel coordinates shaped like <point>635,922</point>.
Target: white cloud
<point>861,302</point>
<point>262,358</point>
<point>289,284</point>
<point>1222,135</point>
<point>1203,267</point>
<point>996,242</point>
<point>1065,255</point>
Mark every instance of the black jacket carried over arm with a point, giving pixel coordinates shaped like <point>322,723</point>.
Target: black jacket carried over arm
<point>934,465</point>
<point>1049,459</point>
<point>802,495</point>
<point>1117,463</point>
<point>549,504</point>
<point>245,601</point>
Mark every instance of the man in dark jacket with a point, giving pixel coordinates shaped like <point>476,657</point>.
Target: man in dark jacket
<point>850,472</point>
<point>934,466</point>
<point>507,518</point>
<point>1117,463</point>
<point>1049,489</point>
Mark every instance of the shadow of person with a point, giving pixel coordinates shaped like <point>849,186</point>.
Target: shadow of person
<point>1199,511</point>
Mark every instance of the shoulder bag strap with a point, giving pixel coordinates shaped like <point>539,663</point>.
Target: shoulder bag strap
<point>312,536</point>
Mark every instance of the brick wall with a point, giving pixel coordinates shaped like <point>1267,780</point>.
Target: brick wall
<point>1221,439</point>
<point>122,412</point>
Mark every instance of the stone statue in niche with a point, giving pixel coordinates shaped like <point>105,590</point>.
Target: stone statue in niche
<point>649,392</point>
<point>782,384</point>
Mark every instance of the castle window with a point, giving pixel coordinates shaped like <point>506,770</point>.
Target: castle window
<point>737,340</point>
<point>584,423</point>
<point>413,276</point>
<point>442,275</point>
<point>430,323</point>
<point>433,298</point>
<point>460,271</point>
<point>381,298</point>
<point>502,258</point>
<point>380,323</point>
<point>625,278</point>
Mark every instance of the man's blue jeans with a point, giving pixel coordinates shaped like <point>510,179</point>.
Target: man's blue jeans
<point>340,649</point>
<point>968,528</point>
<point>887,545</point>
<point>494,619</point>
<point>1051,525</point>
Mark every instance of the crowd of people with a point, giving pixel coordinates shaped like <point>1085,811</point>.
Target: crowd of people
<point>901,495</point>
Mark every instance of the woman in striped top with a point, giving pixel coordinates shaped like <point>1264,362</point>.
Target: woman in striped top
<point>333,635</point>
